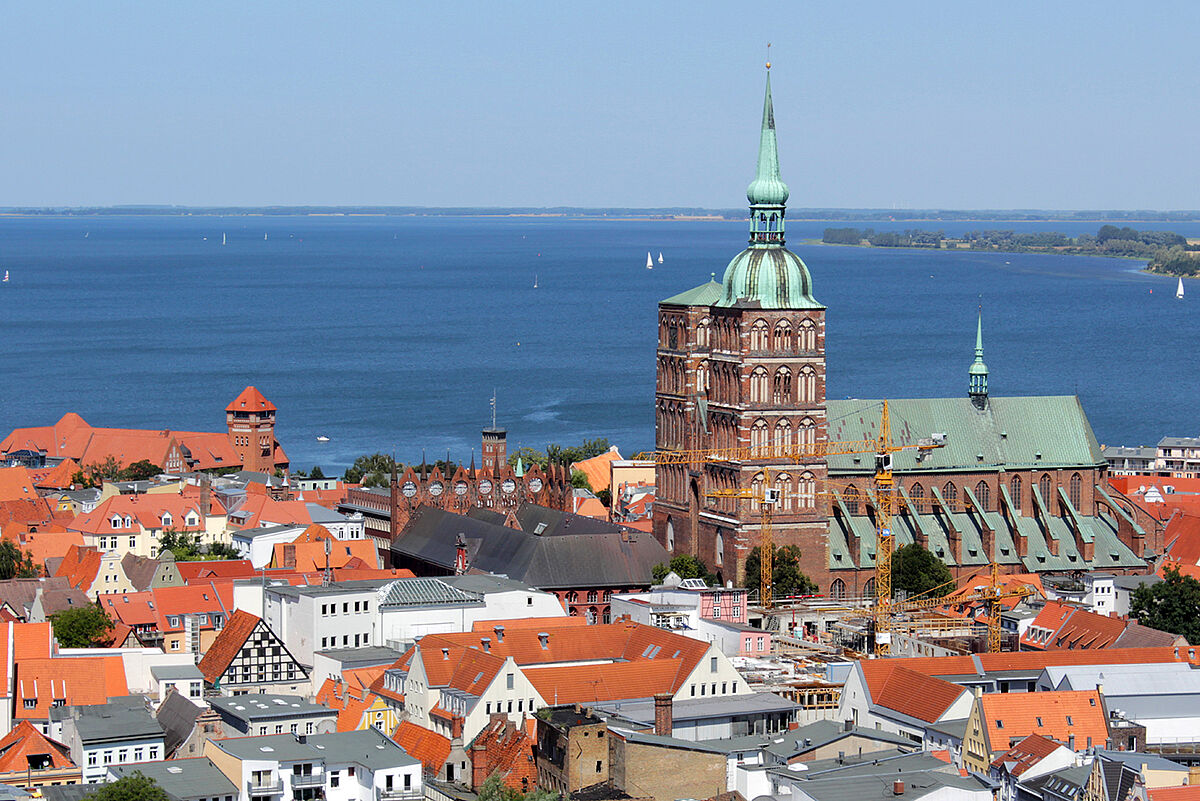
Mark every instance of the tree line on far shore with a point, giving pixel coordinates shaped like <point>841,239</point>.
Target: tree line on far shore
<point>1166,251</point>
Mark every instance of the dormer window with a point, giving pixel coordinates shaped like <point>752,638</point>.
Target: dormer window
<point>166,518</point>
<point>116,521</point>
<point>128,521</point>
<point>191,520</point>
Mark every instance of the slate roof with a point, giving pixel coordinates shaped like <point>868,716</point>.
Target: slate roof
<point>1009,432</point>
<point>618,559</point>
<point>177,716</point>
<point>182,778</point>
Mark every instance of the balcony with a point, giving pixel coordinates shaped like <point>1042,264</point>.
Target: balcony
<point>308,780</point>
<point>264,788</point>
<point>398,795</point>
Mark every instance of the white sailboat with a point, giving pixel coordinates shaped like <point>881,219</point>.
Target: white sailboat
<point>660,257</point>
<point>535,280</point>
<point>6,276</point>
<point>649,261</point>
<point>222,238</point>
<point>264,237</point>
<point>1178,290</point>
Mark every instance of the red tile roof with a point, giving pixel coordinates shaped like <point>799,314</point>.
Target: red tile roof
<point>571,684</point>
<point>598,469</point>
<point>350,703</point>
<point>216,569</point>
<point>1187,792</point>
<point>80,565</point>
<point>1025,754</point>
<point>309,556</point>
<point>539,623</point>
<point>229,642</point>
<point>156,511</point>
<point>76,679</point>
<point>430,748</point>
<point>507,752</point>
<point>58,477</point>
<point>1183,538</point>
<point>1072,627</point>
<point>1056,714</point>
<point>16,484</point>
<point>250,400</point>
<point>26,741</point>
<point>894,686</point>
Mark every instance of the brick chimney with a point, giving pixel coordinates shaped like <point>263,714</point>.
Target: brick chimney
<point>664,714</point>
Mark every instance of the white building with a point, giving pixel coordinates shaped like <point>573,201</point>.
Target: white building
<point>883,694</point>
<point>347,766</point>
<point>258,544</point>
<point>121,731</point>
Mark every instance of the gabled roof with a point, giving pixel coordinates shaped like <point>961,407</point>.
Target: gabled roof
<point>80,565</point>
<point>893,686</point>
<point>25,741</point>
<point>703,295</point>
<point>350,703</point>
<point>1025,754</point>
<point>611,682</point>
<point>16,483</point>
<point>216,569</point>
<point>151,511</point>
<point>1056,714</point>
<point>598,469</point>
<point>1073,628</point>
<point>177,716</point>
<point>228,644</point>
<point>430,748</point>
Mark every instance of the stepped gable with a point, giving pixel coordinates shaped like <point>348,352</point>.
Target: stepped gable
<point>896,687</point>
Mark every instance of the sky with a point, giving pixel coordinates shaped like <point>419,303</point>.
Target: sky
<point>1051,105</point>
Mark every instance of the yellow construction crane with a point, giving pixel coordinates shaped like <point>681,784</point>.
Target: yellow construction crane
<point>993,595</point>
<point>885,490</point>
<point>766,496</point>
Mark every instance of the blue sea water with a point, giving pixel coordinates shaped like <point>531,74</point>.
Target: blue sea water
<point>392,333</point>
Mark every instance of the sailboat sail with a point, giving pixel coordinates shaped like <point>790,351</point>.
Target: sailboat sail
<point>1178,290</point>
<point>649,261</point>
<point>660,257</point>
<point>6,276</point>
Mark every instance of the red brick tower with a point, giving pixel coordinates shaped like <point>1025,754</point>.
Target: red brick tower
<point>250,420</point>
<point>741,363</point>
<point>495,450</point>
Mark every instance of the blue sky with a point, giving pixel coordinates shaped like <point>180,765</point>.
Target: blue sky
<point>1059,104</point>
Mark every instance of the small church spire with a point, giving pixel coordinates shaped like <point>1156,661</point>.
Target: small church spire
<point>767,193</point>
<point>978,373</point>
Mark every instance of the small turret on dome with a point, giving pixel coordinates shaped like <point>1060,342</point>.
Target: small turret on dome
<point>766,274</point>
<point>978,373</point>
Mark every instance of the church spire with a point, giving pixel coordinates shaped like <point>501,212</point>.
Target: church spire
<point>978,373</point>
<point>767,193</point>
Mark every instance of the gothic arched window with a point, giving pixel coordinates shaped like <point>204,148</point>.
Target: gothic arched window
<point>758,335</point>
<point>784,339</point>
<point>837,589</point>
<point>1046,485</point>
<point>759,380</point>
<point>1075,490</point>
<point>850,499</point>
<point>1014,489</point>
<point>784,484</point>
<point>808,335</point>
<point>983,494</point>
<point>806,490</point>
<point>950,492</point>
<point>808,385</point>
<point>719,556</point>
<point>916,494</point>
<point>808,432</point>
<point>783,433</point>
<point>670,535</point>
<point>781,390</point>
<point>703,339</point>
<point>758,434</point>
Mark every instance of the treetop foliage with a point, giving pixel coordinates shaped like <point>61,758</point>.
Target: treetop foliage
<point>786,578</point>
<point>1172,604</point>
<point>80,627</point>
<point>916,571</point>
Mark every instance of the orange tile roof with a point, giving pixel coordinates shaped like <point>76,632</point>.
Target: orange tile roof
<point>431,748</point>
<point>215,569</point>
<point>26,741</point>
<point>260,509</point>
<point>1056,714</point>
<point>362,678</point>
<point>894,686</point>
<point>57,477</point>
<point>32,641</point>
<point>573,684</point>
<point>1183,538</point>
<point>591,507</point>
<point>349,703</point>
<point>76,679</point>
<point>539,623</point>
<point>46,543</point>
<point>310,555</point>
<point>598,469</point>
<point>80,565</point>
<point>508,752</point>
<point>1072,627</point>
<point>155,607</point>
<point>229,642</point>
<point>1187,792</point>
<point>250,400</point>
<point>149,511</point>
<point>1027,753</point>
<point>16,484</point>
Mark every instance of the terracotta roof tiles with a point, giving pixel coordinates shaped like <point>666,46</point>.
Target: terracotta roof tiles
<point>77,680</point>
<point>1057,714</point>
<point>25,741</point>
<point>229,642</point>
<point>420,743</point>
<point>1027,753</point>
<point>894,686</point>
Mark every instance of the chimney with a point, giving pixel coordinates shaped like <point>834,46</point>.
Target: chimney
<point>847,725</point>
<point>544,639</point>
<point>446,654</point>
<point>486,642</point>
<point>664,713</point>
<point>1071,741</point>
<point>1193,774</point>
<point>897,787</point>
<point>499,631</point>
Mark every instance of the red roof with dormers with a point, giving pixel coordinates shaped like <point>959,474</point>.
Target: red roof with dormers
<point>250,400</point>
<point>1057,714</point>
<point>77,680</point>
<point>259,509</point>
<point>25,742</point>
<point>163,606</point>
<point>151,511</point>
<point>1026,754</point>
<point>1071,627</point>
<point>58,477</point>
<point>16,483</point>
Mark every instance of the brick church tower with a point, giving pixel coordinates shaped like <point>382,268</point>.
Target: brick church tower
<point>250,421</point>
<point>741,363</point>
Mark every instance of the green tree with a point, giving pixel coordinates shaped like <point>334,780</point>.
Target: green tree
<point>579,480</point>
<point>316,472</point>
<point>916,571</point>
<point>527,456</point>
<point>786,578</point>
<point>1172,604</point>
<point>81,627</point>
<point>372,470</point>
<point>134,787</point>
<point>188,548</point>
<point>494,789</point>
<point>685,566</point>
<point>15,563</point>
<point>95,474</point>
<point>140,470</point>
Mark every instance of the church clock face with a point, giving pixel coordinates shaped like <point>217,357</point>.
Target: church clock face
<point>509,485</point>
<point>460,488</point>
<point>435,489</point>
<point>485,487</point>
<point>409,489</point>
<point>535,484</point>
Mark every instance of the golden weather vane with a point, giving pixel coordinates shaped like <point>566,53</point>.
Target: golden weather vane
<point>768,55</point>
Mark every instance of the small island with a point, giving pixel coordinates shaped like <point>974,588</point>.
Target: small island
<point>1165,252</point>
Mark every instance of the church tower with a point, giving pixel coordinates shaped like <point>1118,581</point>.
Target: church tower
<point>250,423</point>
<point>978,390</point>
<point>741,363</point>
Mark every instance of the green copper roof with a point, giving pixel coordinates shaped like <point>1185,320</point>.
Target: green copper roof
<point>978,367</point>
<point>1016,433</point>
<point>767,188</point>
<point>767,278</point>
<point>703,295</point>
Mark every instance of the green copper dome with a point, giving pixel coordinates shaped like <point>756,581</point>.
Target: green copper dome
<point>767,275</point>
<point>768,278</point>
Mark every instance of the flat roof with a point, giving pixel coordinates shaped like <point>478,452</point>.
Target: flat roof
<point>259,707</point>
<point>181,778</point>
<point>366,747</point>
<point>175,672</point>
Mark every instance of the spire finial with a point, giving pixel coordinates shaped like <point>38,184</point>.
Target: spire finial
<point>768,55</point>
<point>978,373</point>
<point>767,193</point>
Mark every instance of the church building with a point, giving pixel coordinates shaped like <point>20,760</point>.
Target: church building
<point>741,364</point>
